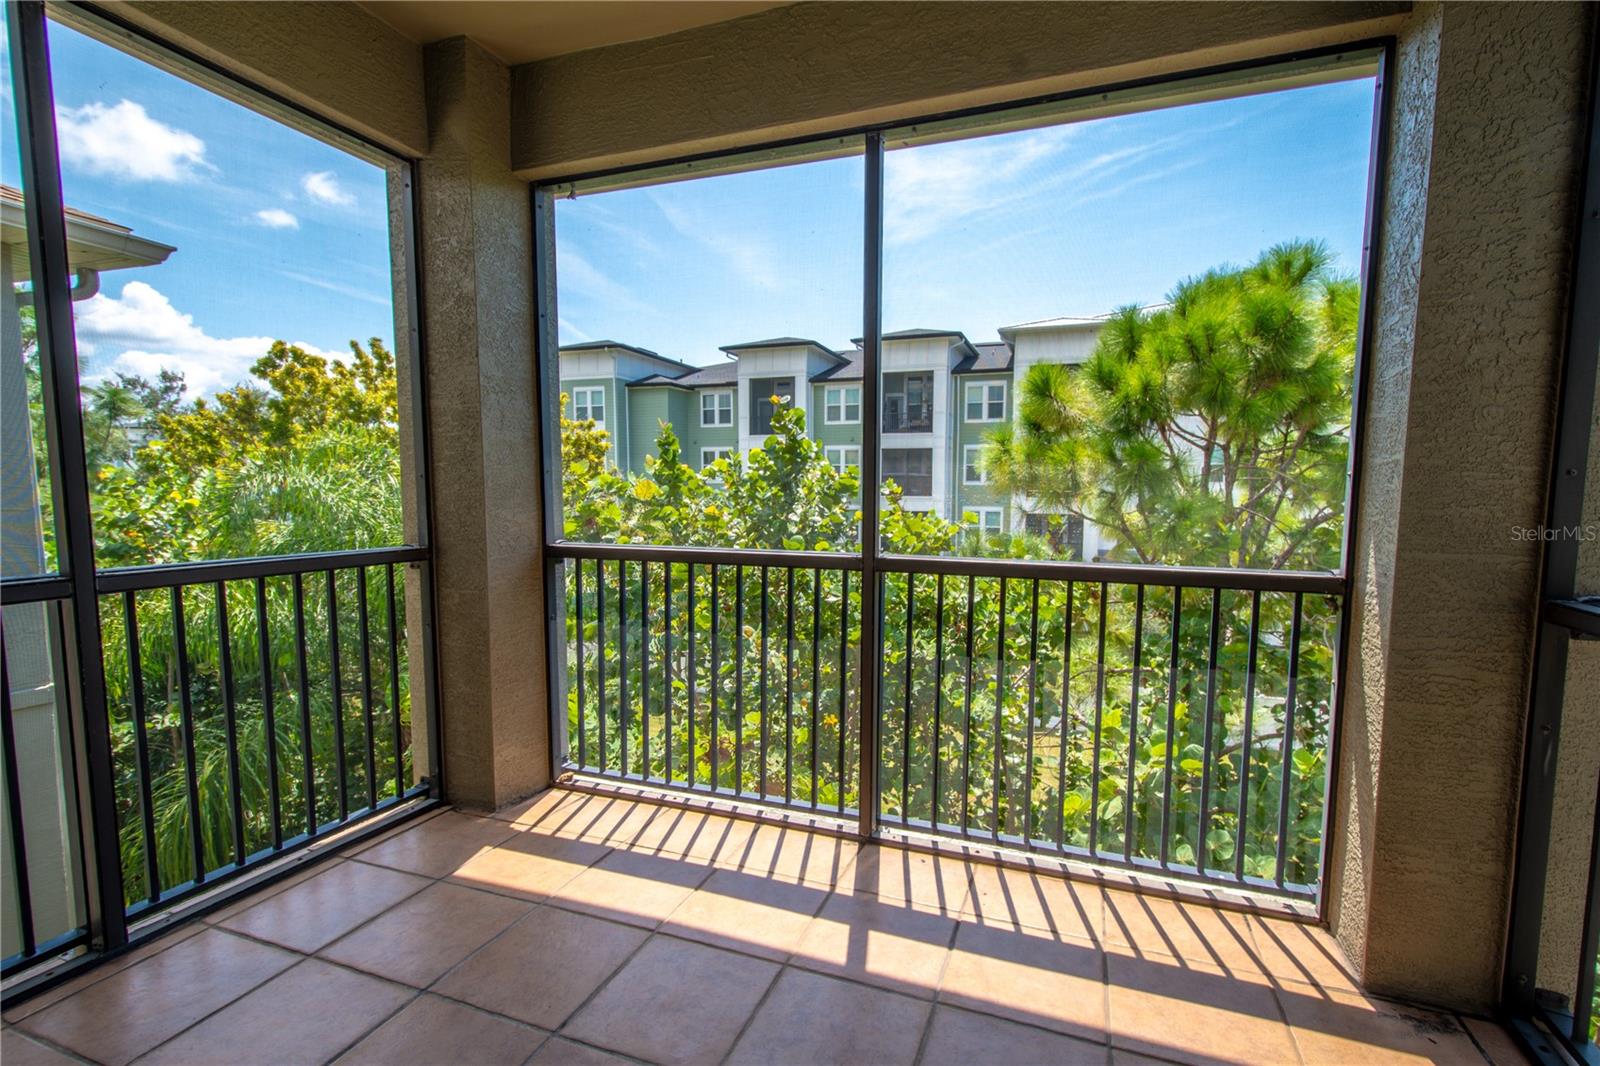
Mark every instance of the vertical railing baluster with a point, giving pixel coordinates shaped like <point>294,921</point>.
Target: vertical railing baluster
<point>644,669</point>
<point>230,721</point>
<point>1246,740</point>
<point>364,623</point>
<point>1033,693</point>
<point>765,737</point>
<point>816,673</point>
<point>966,718</point>
<point>23,893</point>
<point>1061,726</point>
<point>1203,846</point>
<point>716,672</point>
<point>694,665</point>
<point>1133,723</point>
<point>738,680</point>
<point>905,735</point>
<point>602,757</point>
<point>191,777</point>
<point>269,722</point>
<point>1172,715</point>
<point>394,683</point>
<point>938,698</point>
<point>844,640</point>
<point>141,746</point>
<point>999,706</point>
<point>788,687</point>
<point>577,609</point>
<point>337,693</point>
<point>1287,745</point>
<point>666,671</point>
<point>308,767</point>
<point>1099,719</point>
<point>622,667</point>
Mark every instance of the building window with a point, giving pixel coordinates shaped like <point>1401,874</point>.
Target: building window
<point>763,391</point>
<point>986,401</point>
<point>841,405</point>
<point>590,403</point>
<point>911,469</point>
<point>716,408</point>
<point>711,455</point>
<point>1064,532</point>
<point>843,456</point>
<point>986,519</point>
<point>908,402</point>
<point>972,472</point>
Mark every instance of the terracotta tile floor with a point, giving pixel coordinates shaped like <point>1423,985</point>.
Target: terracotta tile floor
<point>576,928</point>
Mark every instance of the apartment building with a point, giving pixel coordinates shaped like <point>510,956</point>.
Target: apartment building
<point>942,395</point>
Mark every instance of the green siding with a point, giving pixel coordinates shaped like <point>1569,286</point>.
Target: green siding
<point>696,436</point>
<point>647,409</point>
<point>817,425</point>
<point>966,497</point>
<point>616,417</point>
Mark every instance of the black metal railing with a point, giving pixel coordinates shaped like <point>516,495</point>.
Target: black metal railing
<point>254,706</point>
<point>1176,721</point>
<point>736,679</point>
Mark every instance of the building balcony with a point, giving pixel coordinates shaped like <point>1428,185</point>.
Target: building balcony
<point>586,927</point>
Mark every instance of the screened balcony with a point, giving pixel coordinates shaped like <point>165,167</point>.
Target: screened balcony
<point>395,669</point>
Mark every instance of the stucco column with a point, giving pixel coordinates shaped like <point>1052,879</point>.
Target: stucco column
<point>1471,294</point>
<point>477,263</point>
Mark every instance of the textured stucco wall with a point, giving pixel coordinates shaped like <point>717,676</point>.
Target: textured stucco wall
<point>1470,301</point>
<point>330,57</point>
<point>477,280</point>
<point>813,67</point>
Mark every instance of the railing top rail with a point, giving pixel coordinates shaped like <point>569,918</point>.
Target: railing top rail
<point>1314,582</point>
<point>1120,573</point>
<point>165,575</point>
<point>806,560</point>
<point>20,590</point>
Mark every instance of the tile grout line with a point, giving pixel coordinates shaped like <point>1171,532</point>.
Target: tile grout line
<point>938,986</point>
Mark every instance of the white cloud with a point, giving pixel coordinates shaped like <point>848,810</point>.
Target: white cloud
<point>277,218</point>
<point>334,286</point>
<point>140,332</point>
<point>123,141</point>
<point>323,187</point>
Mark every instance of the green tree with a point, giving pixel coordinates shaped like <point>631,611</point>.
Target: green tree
<point>1212,430</point>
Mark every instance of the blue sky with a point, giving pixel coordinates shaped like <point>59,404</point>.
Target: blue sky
<point>1071,220</point>
<point>278,235</point>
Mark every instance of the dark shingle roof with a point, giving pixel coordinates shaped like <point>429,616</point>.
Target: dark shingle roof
<point>913,334</point>
<point>782,342</point>
<point>595,346</point>
<point>990,358</point>
<point>698,378</point>
<point>849,370</point>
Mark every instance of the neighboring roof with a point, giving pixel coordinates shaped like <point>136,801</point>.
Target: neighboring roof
<point>93,243</point>
<point>595,346</point>
<point>917,334</point>
<point>849,370</point>
<point>700,378</point>
<point>987,359</point>
<point>783,342</point>
<point>1069,322</point>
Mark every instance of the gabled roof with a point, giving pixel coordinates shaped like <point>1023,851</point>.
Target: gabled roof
<point>783,342</point>
<point>986,359</point>
<point>917,334</point>
<point>596,346</point>
<point>699,378</point>
<point>849,370</point>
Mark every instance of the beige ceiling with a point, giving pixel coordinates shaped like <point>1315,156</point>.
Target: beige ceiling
<point>519,31</point>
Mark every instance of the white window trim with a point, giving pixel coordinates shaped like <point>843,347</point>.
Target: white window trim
<point>828,451</point>
<point>967,449</point>
<point>588,392</point>
<point>716,409</point>
<point>843,419</point>
<point>980,512</point>
<point>966,400</point>
<point>711,455</point>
